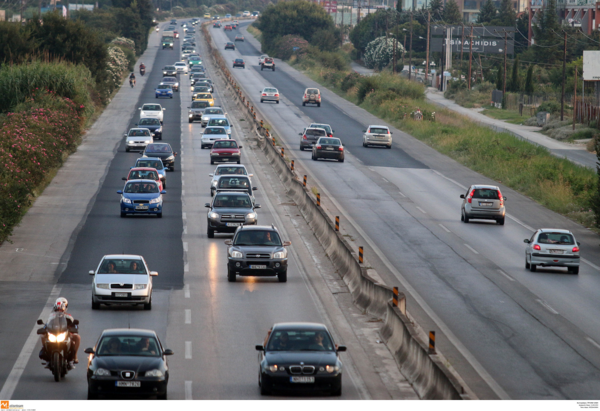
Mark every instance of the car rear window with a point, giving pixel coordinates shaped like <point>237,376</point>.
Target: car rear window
<point>330,141</point>
<point>378,130</point>
<point>315,132</point>
<point>225,144</point>
<point>200,104</point>
<point>488,193</point>
<point>312,91</point>
<point>230,170</point>
<point>556,238</point>
<point>234,182</point>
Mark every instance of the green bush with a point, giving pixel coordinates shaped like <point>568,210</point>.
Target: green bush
<point>365,86</point>
<point>349,81</point>
<point>284,46</point>
<point>551,107</point>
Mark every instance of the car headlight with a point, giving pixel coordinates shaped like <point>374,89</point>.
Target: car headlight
<point>235,154</point>
<point>212,214</point>
<point>140,286</point>
<point>191,114</point>
<point>204,118</point>
<point>102,372</point>
<point>275,368</point>
<point>280,254</point>
<point>155,200</point>
<point>214,183</point>
<point>155,373</point>
<point>103,286</point>
<point>126,200</point>
<point>251,215</point>
<point>164,72</point>
<point>235,254</point>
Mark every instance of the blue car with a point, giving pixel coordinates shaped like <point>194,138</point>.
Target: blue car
<point>141,197</point>
<point>164,90</point>
<point>153,162</point>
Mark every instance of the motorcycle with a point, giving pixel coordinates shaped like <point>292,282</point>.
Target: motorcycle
<point>142,70</point>
<point>56,338</point>
<point>132,82</point>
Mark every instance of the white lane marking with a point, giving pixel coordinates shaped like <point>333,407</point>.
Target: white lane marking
<point>594,266</point>
<point>183,172</point>
<point>421,210</point>
<point>188,390</point>
<point>12,381</point>
<point>182,182</point>
<point>401,193</point>
<point>188,316</point>
<point>444,227</point>
<point>184,216</point>
<point>449,179</point>
<point>506,275</point>
<point>186,290</point>
<point>546,306</point>
<point>516,220</point>
<point>182,193</point>
<point>186,268</point>
<point>594,343</point>
<point>185,246</point>
<point>185,229</point>
<point>471,248</point>
<point>385,179</point>
<point>188,350</point>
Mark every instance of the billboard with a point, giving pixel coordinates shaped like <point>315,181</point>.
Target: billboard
<point>330,6</point>
<point>591,65</point>
<point>488,39</point>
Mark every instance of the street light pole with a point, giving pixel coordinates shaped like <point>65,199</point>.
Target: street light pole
<point>427,51</point>
<point>410,55</point>
<point>470,55</point>
<point>562,99</point>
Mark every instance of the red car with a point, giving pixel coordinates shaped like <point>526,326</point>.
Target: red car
<point>228,27</point>
<point>225,151</point>
<point>176,34</point>
<point>145,173</point>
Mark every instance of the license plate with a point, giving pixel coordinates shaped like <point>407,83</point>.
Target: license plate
<point>303,380</point>
<point>556,251</point>
<point>141,208</point>
<point>135,384</point>
<point>329,148</point>
<point>485,204</point>
<point>121,295</point>
<point>258,267</point>
<point>233,224</point>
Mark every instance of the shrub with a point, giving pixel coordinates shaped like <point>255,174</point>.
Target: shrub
<point>380,52</point>
<point>125,42</point>
<point>350,81</point>
<point>551,107</point>
<point>365,86</point>
<point>116,67</point>
<point>289,45</point>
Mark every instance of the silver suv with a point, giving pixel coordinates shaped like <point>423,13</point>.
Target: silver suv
<point>551,247</point>
<point>377,136</point>
<point>483,202</point>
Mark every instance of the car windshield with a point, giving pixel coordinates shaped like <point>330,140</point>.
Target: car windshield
<point>169,80</point>
<point>128,345</point>
<point>225,144</point>
<point>556,238</point>
<point>198,75</point>
<point>213,111</point>
<point>219,122</point>
<point>314,132</point>
<point>158,148</point>
<point>157,164</point>
<point>151,107</point>
<point>122,266</point>
<point>165,87</point>
<point>180,64</point>
<point>138,133</point>
<point>330,141</point>
<point>143,175</point>
<point>141,188</point>
<point>270,90</point>
<point>232,201</point>
<point>486,193</point>
<point>149,122</point>
<point>239,60</point>
<point>378,130</point>
<point>231,170</point>
<point>204,95</point>
<point>200,104</point>
<point>257,237</point>
<point>170,68</point>
<point>234,182</point>
<point>300,340</point>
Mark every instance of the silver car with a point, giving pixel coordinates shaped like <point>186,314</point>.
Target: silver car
<point>210,112</point>
<point>269,94</point>
<point>122,279</point>
<point>551,247</point>
<point>377,136</point>
<point>220,121</point>
<point>211,134</point>
<point>483,202</point>
<point>224,169</point>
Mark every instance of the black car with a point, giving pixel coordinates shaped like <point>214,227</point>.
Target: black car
<point>189,44</point>
<point>229,45</point>
<point>128,362</point>
<point>328,147</point>
<point>170,71</point>
<point>196,76</point>
<point>228,211</point>
<point>239,63</point>
<point>256,251</point>
<point>152,124</point>
<point>204,83</point>
<point>300,357</point>
<point>172,81</point>
<point>235,182</point>
<point>162,151</point>
<point>239,38</point>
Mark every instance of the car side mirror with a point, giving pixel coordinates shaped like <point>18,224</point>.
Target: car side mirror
<point>139,108</point>
<point>40,322</point>
<point>164,192</point>
<point>250,175</point>
<point>229,242</point>
<point>41,331</point>
<point>255,188</point>
<point>124,135</point>
<point>76,322</point>
<point>153,273</point>
<point>299,134</point>
<point>259,348</point>
<point>504,198</point>
<point>120,192</point>
<point>211,175</point>
<point>364,131</point>
<point>341,348</point>
<point>175,153</point>
<point>391,132</point>
<point>89,351</point>
<point>526,241</point>
<point>287,243</point>
<point>257,206</point>
<point>164,109</point>
<point>91,272</point>
<point>207,205</point>
<point>240,147</point>
<point>124,178</point>
<point>462,196</point>
<point>578,243</point>
<point>168,352</point>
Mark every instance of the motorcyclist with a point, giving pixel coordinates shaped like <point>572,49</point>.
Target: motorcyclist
<point>142,69</point>
<point>132,78</point>
<point>60,305</point>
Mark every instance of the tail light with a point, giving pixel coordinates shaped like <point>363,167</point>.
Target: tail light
<point>330,135</point>
<point>341,148</point>
<point>388,132</point>
<point>318,147</point>
<point>276,95</point>
<point>537,247</point>
<point>305,96</point>
<point>575,249</point>
<point>471,196</point>
<point>304,137</point>
<point>501,198</point>
<point>264,94</point>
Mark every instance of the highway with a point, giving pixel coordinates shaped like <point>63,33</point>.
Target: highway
<point>510,333</point>
<point>212,325</point>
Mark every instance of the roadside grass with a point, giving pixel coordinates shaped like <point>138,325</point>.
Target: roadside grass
<point>510,116</point>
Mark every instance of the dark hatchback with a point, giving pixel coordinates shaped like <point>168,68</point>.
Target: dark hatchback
<point>257,251</point>
<point>239,63</point>
<point>300,357</point>
<point>162,151</point>
<point>328,147</point>
<point>228,211</point>
<point>229,45</point>
<point>128,363</point>
<point>152,124</point>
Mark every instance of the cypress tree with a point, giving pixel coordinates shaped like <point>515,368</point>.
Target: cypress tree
<point>515,84</point>
<point>452,13</point>
<point>487,12</point>
<point>529,87</point>
<point>500,79</point>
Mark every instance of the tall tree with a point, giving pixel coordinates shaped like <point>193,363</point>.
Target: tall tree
<point>500,79</point>
<point>529,87</point>
<point>506,14</point>
<point>545,34</point>
<point>452,13</point>
<point>437,9</point>
<point>515,82</point>
<point>487,12</point>
<point>399,6</point>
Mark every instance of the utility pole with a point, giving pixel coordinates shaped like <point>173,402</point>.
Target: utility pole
<point>462,42</point>
<point>444,46</point>
<point>470,55</point>
<point>562,99</point>
<point>343,24</point>
<point>575,99</point>
<point>404,51</point>
<point>504,82</point>
<point>358,16</point>
<point>411,36</point>
<point>427,49</point>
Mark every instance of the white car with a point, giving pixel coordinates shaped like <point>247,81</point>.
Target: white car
<point>552,247</point>
<point>210,112</point>
<point>122,279</point>
<point>211,134</point>
<point>226,169</point>
<point>181,67</point>
<point>377,136</point>
<point>246,14</point>
<point>138,139</point>
<point>262,58</point>
<point>152,111</point>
